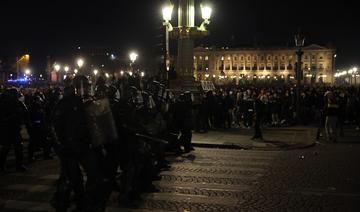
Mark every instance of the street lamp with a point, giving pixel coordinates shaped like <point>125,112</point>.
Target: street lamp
<point>299,42</point>
<point>96,72</point>
<point>27,72</point>
<point>57,67</point>
<point>80,62</point>
<point>133,56</point>
<point>167,15</point>
<point>206,12</point>
<point>76,71</point>
<point>185,33</point>
<point>66,68</point>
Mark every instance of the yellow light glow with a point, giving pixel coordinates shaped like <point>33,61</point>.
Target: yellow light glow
<point>206,11</point>
<point>27,71</point>
<point>167,12</point>
<point>66,68</point>
<point>107,75</point>
<point>76,71</point>
<point>80,62</point>
<point>133,56</point>
<point>57,67</point>
<point>96,72</point>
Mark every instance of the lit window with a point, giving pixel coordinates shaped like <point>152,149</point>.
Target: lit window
<point>206,58</point>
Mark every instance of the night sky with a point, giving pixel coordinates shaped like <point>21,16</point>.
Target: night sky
<point>56,27</point>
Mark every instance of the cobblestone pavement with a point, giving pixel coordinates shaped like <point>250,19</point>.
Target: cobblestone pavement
<point>275,138</point>
<point>321,178</point>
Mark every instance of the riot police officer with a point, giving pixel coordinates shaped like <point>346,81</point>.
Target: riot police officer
<point>13,114</point>
<point>184,119</point>
<point>71,126</point>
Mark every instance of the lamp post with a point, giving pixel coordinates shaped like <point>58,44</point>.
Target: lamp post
<point>185,33</point>
<point>80,62</point>
<point>133,56</point>
<point>167,15</point>
<point>299,42</point>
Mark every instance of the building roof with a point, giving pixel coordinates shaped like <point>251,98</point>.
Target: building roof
<point>309,47</point>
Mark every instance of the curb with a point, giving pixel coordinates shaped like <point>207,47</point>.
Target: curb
<point>265,148</point>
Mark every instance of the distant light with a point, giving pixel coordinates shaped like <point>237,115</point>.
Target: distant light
<point>214,76</point>
<point>11,75</point>
<point>122,73</point>
<point>142,74</point>
<point>133,56</point>
<point>130,73</point>
<point>76,71</point>
<point>96,72</point>
<point>57,67</point>
<point>355,69</point>
<point>80,62</point>
<point>27,71</point>
<point>107,75</point>
<point>66,68</point>
<point>207,75</point>
<point>79,47</point>
<point>65,76</point>
<point>335,55</point>
<point>112,57</point>
<point>103,65</point>
<point>40,75</point>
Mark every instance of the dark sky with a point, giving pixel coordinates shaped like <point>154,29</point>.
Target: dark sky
<point>55,27</point>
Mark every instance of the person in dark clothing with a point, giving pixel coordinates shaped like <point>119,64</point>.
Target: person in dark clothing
<point>13,114</point>
<point>259,111</point>
<point>71,132</point>
<point>183,117</point>
<point>331,112</point>
<point>228,109</point>
<point>38,128</point>
<point>342,102</point>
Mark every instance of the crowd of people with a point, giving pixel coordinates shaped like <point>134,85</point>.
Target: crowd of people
<point>117,133</point>
<point>249,106</point>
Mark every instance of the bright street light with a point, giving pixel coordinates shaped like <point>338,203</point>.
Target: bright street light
<point>130,73</point>
<point>142,74</point>
<point>121,73</point>
<point>80,63</point>
<point>167,11</point>
<point>107,75</point>
<point>27,71</point>
<point>76,71</point>
<point>66,68</point>
<point>95,72</point>
<point>57,67</point>
<point>206,11</point>
<point>133,56</point>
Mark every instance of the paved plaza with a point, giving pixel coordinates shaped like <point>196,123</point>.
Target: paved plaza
<point>323,177</point>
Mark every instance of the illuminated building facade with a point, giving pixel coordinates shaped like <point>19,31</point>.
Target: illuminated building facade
<point>256,64</point>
